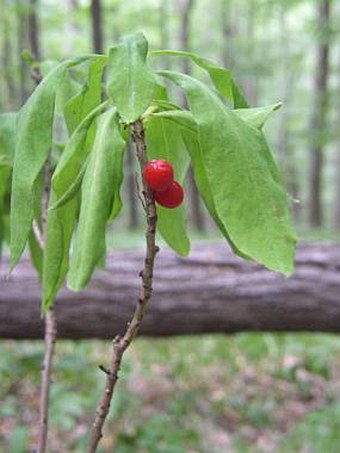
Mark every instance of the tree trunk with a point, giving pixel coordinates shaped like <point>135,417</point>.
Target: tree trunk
<point>228,33</point>
<point>97,29</point>
<point>22,28</point>
<point>196,210</point>
<point>318,119</point>
<point>211,291</point>
<point>33,30</point>
<point>337,161</point>
<point>287,83</point>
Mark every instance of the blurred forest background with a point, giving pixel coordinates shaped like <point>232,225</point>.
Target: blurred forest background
<point>278,50</point>
<point>245,393</point>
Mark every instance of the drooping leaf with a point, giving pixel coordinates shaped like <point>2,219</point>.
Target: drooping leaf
<point>7,137</point>
<point>182,118</point>
<point>33,143</point>
<point>243,178</point>
<point>257,116</point>
<point>59,228</point>
<point>220,76</point>
<point>74,157</point>
<point>79,106</point>
<point>131,84</point>
<point>98,192</point>
<point>164,141</point>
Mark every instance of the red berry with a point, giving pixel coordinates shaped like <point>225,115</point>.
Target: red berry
<point>158,174</point>
<point>171,197</point>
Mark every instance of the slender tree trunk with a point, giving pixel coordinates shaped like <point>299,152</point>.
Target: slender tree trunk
<point>318,119</point>
<point>336,209</point>
<point>196,209</point>
<point>97,29</point>
<point>228,32</point>
<point>286,157</point>
<point>22,43</point>
<point>34,31</point>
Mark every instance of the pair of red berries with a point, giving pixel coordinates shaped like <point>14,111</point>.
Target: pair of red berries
<point>159,176</point>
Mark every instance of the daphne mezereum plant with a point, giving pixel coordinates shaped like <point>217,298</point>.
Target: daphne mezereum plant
<point>67,194</point>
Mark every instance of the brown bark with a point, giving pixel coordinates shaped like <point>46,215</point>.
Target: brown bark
<point>211,291</point>
<point>33,30</point>
<point>22,29</point>
<point>122,342</point>
<point>97,28</point>
<point>318,119</point>
<point>336,220</point>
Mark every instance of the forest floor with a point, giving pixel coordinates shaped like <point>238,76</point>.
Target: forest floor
<point>250,392</point>
<point>210,394</point>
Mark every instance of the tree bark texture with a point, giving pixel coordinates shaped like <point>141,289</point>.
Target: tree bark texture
<point>210,291</point>
<point>318,119</point>
<point>33,30</point>
<point>97,28</point>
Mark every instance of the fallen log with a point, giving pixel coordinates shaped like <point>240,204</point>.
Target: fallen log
<point>210,291</point>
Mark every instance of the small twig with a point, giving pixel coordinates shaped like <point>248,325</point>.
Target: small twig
<point>50,335</point>
<point>50,321</point>
<point>140,195</point>
<point>121,343</point>
<point>38,234</point>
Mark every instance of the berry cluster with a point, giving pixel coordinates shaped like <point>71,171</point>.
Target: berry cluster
<point>159,176</point>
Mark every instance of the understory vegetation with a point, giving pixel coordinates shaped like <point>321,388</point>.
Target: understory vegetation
<point>249,392</point>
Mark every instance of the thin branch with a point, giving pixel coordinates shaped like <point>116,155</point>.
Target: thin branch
<point>50,321</point>
<point>121,343</point>
<point>49,338</point>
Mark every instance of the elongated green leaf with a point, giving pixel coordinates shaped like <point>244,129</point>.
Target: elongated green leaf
<point>33,143</point>
<point>257,116</point>
<point>182,118</point>
<point>73,188</point>
<point>98,192</point>
<point>220,76</point>
<point>74,156</point>
<point>131,84</point>
<point>243,179</point>
<point>7,137</point>
<point>59,228</point>
<point>189,129</point>
<point>78,107</point>
<point>164,141</point>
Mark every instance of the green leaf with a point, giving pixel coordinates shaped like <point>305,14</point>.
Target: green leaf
<point>220,76</point>
<point>99,190</point>
<point>33,143</point>
<point>59,228</point>
<point>164,141</point>
<point>131,84</point>
<point>182,118</point>
<point>257,116</point>
<point>79,106</point>
<point>7,137</point>
<point>243,179</point>
<point>73,159</point>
